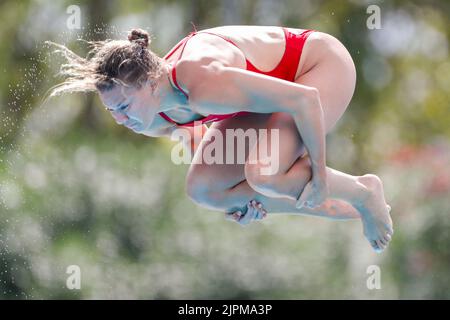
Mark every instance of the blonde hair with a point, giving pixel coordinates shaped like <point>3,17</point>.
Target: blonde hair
<point>108,63</point>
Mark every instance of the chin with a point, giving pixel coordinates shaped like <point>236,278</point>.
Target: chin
<point>141,129</point>
<point>146,133</point>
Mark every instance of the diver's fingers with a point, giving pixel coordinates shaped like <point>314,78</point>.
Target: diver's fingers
<point>233,216</point>
<point>249,215</point>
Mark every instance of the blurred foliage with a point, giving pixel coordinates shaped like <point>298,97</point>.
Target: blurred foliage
<point>76,189</point>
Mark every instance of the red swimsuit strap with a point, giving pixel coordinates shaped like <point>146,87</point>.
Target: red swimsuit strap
<point>174,69</point>
<point>183,43</point>
<point>166,117</point>
<point>293,50</point>
<point>274,71</point>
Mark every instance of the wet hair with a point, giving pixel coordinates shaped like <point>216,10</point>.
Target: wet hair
<point>126,62</point>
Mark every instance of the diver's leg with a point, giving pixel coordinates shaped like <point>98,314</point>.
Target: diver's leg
<point>224,187</point>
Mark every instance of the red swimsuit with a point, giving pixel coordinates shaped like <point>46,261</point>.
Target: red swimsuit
<point>286,69</point>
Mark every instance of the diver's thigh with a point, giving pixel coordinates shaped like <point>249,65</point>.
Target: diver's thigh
<point>335,78</point>
<point>283,144</point>
<point>210,164</point>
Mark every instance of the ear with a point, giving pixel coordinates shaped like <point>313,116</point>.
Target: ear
<point>153,84</point>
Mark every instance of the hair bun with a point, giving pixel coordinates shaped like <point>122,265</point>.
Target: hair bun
<point>139,36</point>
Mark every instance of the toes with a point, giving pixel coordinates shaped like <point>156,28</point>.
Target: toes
<point>388,234</point>
<point>377,246</point>
<point>386,229</point>
<point>381,245</point>
<point>389,229</point>
<point>374,244</point>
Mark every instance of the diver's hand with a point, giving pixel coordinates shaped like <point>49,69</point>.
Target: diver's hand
<point>314,193</point>
<point>254,211</point>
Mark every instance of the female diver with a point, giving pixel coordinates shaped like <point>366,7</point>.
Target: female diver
<point>296,81</point>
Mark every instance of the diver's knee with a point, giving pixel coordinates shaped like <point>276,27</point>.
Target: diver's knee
<point>201,190</point>
<point>196,188</point>
<point>258,180</point>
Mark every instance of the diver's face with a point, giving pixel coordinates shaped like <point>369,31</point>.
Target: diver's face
<point>134,108</point>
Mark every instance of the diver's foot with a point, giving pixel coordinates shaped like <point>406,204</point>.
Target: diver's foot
<point>375,214</point>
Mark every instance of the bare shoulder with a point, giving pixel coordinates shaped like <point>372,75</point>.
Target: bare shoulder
<point>196,71</point>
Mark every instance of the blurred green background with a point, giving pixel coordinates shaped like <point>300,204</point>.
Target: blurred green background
<point>77,189</point>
